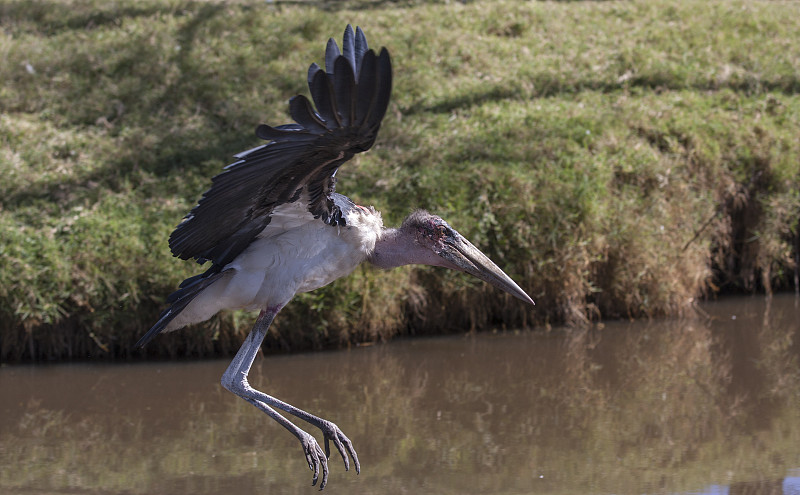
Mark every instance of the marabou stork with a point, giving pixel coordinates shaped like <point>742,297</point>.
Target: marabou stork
<point>272,226</point>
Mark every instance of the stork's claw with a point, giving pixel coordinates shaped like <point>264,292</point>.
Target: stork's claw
<point>315,457</point>
<point>343,444</point>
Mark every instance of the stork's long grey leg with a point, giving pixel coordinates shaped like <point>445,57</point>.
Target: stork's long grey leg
<point>235,380</point>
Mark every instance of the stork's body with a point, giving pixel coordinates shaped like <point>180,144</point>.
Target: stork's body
<point>273,227</point>
<point>295,253</point>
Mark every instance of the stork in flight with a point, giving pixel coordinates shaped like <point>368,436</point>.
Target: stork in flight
<point>272,226</point>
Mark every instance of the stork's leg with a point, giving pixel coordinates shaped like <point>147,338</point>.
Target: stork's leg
<point>235,380</point>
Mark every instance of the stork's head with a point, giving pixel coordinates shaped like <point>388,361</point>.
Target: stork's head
<point>426,239</point>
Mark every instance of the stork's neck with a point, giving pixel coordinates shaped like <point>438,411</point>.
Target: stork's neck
<point>398,247</point>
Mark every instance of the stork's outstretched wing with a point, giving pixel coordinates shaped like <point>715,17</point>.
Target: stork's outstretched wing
<point>299,162</point>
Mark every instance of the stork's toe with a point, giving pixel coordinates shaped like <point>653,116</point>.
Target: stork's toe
<point>331,432</point>
<point>316,458</point>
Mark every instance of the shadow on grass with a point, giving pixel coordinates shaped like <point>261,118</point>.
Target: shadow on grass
<point>547,87</point>
<point>52,18</point>
<point>168,151</point>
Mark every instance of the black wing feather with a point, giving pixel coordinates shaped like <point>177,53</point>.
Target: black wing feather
<point>299,160</point>
<point>303,113</point>
<point>348,48</point>
<point>344,84</point>
<point>312,70</point>
<point>383,89</point>
<point>331,54</point>
<point>366,87</point>
<point>360,49</point>
<point>323,94</point>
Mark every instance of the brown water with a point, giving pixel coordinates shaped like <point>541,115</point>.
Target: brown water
<point>703,405</point>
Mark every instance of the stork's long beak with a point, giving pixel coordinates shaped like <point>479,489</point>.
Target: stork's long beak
<point>467,258</point>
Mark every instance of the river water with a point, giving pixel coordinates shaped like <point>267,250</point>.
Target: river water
<point>705,405</point>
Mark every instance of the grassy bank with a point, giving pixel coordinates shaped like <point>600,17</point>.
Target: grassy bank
<point>616,158</point>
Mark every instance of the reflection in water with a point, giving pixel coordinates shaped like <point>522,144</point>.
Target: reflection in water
<point>708,405</point>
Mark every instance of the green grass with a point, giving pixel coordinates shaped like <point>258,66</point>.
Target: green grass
<point>616,158</point>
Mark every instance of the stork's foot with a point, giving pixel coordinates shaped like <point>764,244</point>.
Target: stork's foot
<point>343,444</point>
<point>315,458</point>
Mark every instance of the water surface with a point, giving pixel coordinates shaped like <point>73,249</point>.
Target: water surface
<point>699,405</point>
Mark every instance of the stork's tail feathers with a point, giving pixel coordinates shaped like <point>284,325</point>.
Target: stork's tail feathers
<point>189,289</point>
